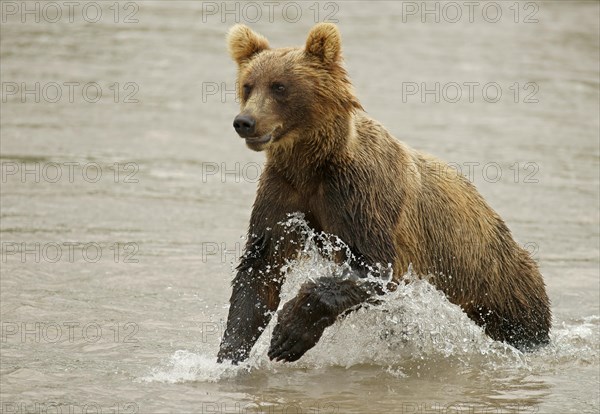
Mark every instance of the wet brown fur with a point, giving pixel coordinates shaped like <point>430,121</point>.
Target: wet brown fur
<point>388,202</point>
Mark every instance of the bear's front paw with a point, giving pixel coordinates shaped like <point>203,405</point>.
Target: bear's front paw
<point>234,354</point>
<point>299,327</point>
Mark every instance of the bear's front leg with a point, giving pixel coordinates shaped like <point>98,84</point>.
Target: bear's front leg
<point>255,294</point>
<point>253,300</point>
<point>303,319</point>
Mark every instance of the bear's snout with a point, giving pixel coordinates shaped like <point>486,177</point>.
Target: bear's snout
<point>245,125</point>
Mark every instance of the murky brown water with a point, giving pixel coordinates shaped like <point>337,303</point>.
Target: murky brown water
<point>122,212</point>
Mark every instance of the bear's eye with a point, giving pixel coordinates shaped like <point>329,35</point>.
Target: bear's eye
<point>246,90</point>
<point>277,87</point>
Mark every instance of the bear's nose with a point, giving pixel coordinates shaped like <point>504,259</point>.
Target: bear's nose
<point>244,125</point>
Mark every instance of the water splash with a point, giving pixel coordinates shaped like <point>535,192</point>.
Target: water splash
<point>185,366</point>
<point>411,328</point>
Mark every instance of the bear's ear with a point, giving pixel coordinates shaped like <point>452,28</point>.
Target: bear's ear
<point>324,42</point>
<point>243,43</point>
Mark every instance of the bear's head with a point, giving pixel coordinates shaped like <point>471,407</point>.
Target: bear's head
<point>287,95</point>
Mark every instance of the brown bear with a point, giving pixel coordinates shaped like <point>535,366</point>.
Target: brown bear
<point>391,205</point>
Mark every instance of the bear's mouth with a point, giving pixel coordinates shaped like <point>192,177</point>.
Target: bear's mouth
<point>258,143</point>
<point>260,140</point>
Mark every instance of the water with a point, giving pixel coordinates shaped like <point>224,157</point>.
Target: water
<point>128,318</point>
